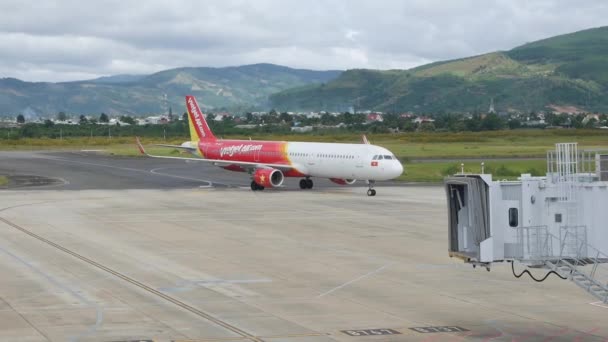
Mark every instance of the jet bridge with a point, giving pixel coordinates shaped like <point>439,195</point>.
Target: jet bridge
<point>558,222</point>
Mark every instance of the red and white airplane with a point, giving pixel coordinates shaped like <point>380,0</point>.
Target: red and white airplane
<point>269,162</point>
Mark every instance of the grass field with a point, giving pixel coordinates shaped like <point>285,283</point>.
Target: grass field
<point>436,171</point>
<point>411,148</point>
<point>3,180</point>
<point>518,143</point>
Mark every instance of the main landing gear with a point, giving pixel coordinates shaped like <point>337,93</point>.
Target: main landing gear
<point>371,191</point>
<point>306,183</point>
<point>255,186</point>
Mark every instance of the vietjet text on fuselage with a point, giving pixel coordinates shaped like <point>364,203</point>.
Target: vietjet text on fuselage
<point>269,162</point>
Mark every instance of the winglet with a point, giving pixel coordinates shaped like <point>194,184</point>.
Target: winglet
<point>364,139</point>
<point>140,146</point>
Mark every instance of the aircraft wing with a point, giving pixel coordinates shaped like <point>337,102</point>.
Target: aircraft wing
<point>187,148</point>
<point>217,162</point>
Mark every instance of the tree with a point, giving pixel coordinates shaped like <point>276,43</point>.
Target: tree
<point>48,123</point>
<point>20,119</point>
<point>426,127</point>
<point>249,117</point>
<point>83,120</point>
<point>127,119</point>
<point>61,116</point>
<point>185,117</point>
<point>285,117</point>
<point>104,118</point>
<point>514,124</point>
<point>492,122</point>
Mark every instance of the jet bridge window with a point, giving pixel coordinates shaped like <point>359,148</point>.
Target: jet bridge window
<point>513,217</point>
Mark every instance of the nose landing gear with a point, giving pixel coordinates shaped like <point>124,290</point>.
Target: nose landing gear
<point>371,191</point>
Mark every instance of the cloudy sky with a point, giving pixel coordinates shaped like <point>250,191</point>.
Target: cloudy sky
<point>72,40</point>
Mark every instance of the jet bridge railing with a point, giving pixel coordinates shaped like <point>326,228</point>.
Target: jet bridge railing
<point>569,255</point>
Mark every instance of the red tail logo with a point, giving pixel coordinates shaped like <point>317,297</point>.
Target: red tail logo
<point>198,120</point>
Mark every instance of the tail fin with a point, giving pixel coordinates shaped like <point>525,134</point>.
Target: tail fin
<point>199,130</point>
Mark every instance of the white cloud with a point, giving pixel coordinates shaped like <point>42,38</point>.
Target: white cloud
<point>67,40</point>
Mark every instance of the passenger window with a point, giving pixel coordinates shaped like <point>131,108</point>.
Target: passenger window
<point>513,217</point>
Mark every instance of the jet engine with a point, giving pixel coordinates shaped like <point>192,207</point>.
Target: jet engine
<point>343,181</point>
<point>268,177</point>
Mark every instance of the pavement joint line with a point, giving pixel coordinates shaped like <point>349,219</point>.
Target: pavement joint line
<point>132,281</point>
<point>600,304</point>
<point>354,280</point>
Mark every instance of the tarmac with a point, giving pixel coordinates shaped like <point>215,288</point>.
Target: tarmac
<point>115,250</point>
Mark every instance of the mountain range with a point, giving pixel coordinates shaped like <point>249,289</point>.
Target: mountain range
<point>242,86</point>
<point>567,71</point>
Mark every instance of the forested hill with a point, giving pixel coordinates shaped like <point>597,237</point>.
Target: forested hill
<point>561,72</point>
<point>247,85</point>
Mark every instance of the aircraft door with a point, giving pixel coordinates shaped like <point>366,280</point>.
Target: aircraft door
<point>359,162</point>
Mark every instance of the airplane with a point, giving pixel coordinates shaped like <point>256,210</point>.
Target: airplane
<point>269,162</point>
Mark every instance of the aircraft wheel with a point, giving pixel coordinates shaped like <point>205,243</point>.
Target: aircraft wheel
<point>303,184</point>
<point>371,192</point>
<point>309,183</point>
<point>255,186</point>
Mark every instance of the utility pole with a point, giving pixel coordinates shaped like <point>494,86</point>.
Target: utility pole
<point>109,133</point>
<point>61,134</point>
<point>165,133</point>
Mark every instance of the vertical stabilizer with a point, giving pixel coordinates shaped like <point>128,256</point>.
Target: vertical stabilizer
<point>199,129</point>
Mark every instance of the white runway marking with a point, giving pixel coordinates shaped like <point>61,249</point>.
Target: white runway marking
<point>209,183</point>
<point>153,171</point>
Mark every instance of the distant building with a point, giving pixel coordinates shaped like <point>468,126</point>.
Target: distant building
<point>590,117</point>
<point>422,119</point>
<point>491,110</point>
<point>303,129</point>
<point>221,116</point>
<point>252,126</point>
<point>156,120</point>
<point>375,117</point>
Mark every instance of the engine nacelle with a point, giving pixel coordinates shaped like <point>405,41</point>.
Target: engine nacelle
<point>343,181</point>
<point>268,178</point>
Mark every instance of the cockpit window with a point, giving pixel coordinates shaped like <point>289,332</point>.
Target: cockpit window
<point>388,157</point>
<point>380,157</point>
<point>375,157</point>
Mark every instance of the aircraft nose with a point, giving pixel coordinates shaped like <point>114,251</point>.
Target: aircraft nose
<point>398,169</point>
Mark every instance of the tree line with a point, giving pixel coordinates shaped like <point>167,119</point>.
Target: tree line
<point>281,123</point>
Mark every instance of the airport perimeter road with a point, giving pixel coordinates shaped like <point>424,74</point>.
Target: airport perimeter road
<point>87,170</point>
<point>210,264</point>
